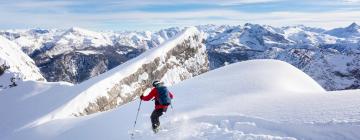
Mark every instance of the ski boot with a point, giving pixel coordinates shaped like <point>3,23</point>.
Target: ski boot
<point>156,129</point>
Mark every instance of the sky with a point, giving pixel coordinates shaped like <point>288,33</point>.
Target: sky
<point>141,15</point>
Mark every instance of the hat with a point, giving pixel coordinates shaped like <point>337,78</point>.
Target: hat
<point>156,83</point>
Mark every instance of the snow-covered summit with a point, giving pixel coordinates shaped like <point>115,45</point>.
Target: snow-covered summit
<point>31,39</point>
<point>307,36</point>
<point>353,27</point>
<point>77,38</point>
<point>272,76</point>
<point>352,31</point>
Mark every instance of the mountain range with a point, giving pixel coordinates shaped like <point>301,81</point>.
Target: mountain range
<point>255,99</point>
<point>331,57</point>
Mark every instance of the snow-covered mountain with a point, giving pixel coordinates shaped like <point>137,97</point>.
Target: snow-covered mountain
<point>257,99</point>
<point>77,39</point>
<point>247,100</point>
<point>178,59</point>
<point>307,36</point>
<point>18,65</point>
<point>76,54</point>
<point>327,56</point>
<point>32,39</point>
<point>352,31</point>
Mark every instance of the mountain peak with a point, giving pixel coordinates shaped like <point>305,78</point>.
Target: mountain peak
<point>353,30</point>
<point>39,31</point>
<point>77,29</point>
<point>251,25</point>
<point>353,26</point>
<point>81,31</point>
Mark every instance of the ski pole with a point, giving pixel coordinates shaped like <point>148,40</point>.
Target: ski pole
<point>137,114</point>
<point>171,105</point>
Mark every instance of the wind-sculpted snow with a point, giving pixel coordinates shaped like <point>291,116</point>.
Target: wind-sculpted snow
<point>178,59</point>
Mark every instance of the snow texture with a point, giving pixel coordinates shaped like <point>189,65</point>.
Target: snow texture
<point>257,99</point>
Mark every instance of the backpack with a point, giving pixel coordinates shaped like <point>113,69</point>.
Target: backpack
<point>164,95</point>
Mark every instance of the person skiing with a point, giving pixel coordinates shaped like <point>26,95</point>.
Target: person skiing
<point>162,100</point>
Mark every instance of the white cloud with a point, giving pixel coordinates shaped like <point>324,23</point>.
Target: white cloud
<point>160,2</point>
<point>40,4</point>
<point>352,1</point>
<point>65,20</point>
<point>61,18</point>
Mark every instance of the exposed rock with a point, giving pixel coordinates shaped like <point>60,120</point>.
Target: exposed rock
<point>181,58</point>
<point>185,53</point>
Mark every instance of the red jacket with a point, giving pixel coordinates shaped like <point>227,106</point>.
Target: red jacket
<point>154,93</point>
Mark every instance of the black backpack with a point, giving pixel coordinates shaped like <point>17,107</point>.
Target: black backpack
<point>164,95</point>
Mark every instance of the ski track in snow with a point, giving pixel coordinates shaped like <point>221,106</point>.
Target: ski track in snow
<point>237,126</point>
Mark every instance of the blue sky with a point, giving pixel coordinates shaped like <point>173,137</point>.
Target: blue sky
<point>156,14</point>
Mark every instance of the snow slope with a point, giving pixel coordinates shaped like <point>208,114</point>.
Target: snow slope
<point>178,59</point>
<point>30,101</point>
<point>21,65</point>
<point>258,99</point>
<point>111,85</point>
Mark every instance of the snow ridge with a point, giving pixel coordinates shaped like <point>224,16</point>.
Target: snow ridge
<point>123,83</point>
<point>21,66</point>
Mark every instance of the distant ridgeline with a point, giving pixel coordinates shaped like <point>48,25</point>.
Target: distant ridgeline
<point>331,57</point>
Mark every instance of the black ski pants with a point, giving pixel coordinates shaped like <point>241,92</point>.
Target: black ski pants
<point>155,117</point>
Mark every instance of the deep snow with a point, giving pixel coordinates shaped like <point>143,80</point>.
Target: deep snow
<point>260,99</point>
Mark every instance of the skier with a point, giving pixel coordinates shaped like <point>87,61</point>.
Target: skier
<point>162,100</point>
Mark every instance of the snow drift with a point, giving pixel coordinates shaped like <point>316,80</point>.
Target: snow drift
<point>262,76</point>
